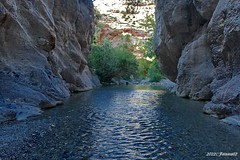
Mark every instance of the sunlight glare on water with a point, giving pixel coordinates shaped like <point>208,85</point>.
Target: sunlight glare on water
<point>133,122</point>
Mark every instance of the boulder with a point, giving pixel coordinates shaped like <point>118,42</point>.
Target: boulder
<point>168,85</point>
<point>232,120</point>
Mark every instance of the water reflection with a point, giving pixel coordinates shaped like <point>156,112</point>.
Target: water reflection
<point>126,129</point>
<point>133,122</point>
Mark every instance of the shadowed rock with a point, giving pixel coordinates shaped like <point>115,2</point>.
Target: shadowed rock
<point>44,50</point>
<point>197,45</point>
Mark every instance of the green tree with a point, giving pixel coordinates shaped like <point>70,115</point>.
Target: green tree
<point>143,67</point>
<point>126,43</point>
<point>102,61</point>
<point>154,73</point>
<point>127,64</point>
<point>148,23</point>
<point>148,48</point>
<point>108,62</point>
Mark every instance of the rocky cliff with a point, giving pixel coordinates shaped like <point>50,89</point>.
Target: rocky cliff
<point>197,44</point>
<point>44,50</point>
<point>115,22</point>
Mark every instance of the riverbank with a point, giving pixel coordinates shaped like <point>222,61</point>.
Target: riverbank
<point>29,111</point>
<point>164,83</point>
<point>18,137</point>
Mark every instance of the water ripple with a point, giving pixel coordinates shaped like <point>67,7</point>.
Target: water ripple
<point>119,124</point>
<point>128,128</point>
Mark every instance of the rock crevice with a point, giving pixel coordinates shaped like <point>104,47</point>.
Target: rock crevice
<point>197,44</point>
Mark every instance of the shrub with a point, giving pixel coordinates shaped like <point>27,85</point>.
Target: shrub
<point>154,73</point>
<point>127,64</point>
<point>108,62</point>
<point>143,66</point>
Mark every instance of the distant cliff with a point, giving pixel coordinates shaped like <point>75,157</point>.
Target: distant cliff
<point>44,50</point>
<point>197,44</point>
<point>115,22</point>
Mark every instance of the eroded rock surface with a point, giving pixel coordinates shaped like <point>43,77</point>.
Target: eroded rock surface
<point>197,44</point>
<point>44,50</point>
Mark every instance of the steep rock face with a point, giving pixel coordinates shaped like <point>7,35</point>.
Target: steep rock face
<point>177,21</point>
<point>203,56</point>
<point>224,40</point>
<point>44,49</point>
<point>195,69</point>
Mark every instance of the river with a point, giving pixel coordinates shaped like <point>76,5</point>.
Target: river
<point>125,122</point>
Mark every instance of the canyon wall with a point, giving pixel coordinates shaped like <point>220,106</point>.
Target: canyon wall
<point>197,45</point>
<point>44,50</point>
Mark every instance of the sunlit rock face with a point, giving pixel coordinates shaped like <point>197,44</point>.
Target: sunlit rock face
<point>116,23</point>
<point>44,50</point>
<point>113,13</point>
<point>197,45</point>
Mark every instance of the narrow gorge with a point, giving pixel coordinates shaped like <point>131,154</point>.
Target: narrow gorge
<point>45,47</point>
<point>58,52</point>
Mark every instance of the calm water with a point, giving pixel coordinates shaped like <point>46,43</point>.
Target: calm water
<point>132,123</point>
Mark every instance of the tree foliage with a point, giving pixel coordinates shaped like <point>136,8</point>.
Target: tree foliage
<point>143,67</point>
<point>148,23</point>
<point>132,6</point>
<point>154,73</point>
<point>109,62</point>
<point>149,69</point>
